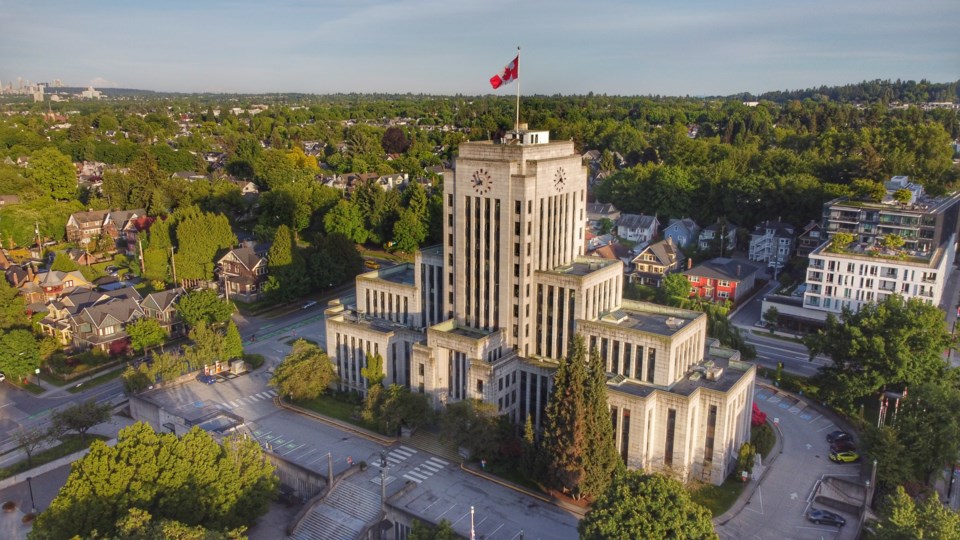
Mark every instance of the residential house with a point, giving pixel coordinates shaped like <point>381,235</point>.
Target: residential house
<point>722,279</point>
<point>81,256</point>
<point>393,181</point>
<point>55,283</point>
<point>809,238</point>
<point>130,233</point>
<point>656,261</point>
<point>189,176</point>
<point>86,318</point>
<point>772,243</point>
<point>118,225</point>
<point>84,227</point>
<point>162,307</point>
<point>23,278</point>
<point>246,187</point>
<point>613,251</point>
<point>637,228</point>
<point>684,232</point>
<point>711,233</point>
<point>596,212</point>
<point>242,273</point>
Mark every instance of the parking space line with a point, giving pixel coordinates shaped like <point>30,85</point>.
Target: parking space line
<point>495,531</point>
<point>305,454</point>
<point>318,458</point>
<point>292,449</point>
<point>828,426</point>
<point>461,519</point>
<point>819,416</point>
<point>447,510</point>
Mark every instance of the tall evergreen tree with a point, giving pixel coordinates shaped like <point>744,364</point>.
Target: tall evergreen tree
<point>288,271</point>
<point>232,342</point>
<point>565,429</point>
<point>602,460</point>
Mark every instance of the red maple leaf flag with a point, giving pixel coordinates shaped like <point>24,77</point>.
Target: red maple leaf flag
<point>509,74</point>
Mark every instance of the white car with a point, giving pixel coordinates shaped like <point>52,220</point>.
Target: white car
<point>2,377</point>
<point>310,304</point>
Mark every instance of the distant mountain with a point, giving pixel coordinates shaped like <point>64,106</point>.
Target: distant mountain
<point>884,91</point>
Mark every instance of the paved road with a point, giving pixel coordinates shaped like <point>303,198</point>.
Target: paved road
<point>795,356</point>
<point>777,509</point>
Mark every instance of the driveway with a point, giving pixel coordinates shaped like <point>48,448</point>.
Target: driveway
<point>778,507</point>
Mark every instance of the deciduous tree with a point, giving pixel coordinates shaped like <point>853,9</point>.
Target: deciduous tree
<point>903,517</point>
<point>145,333</point>
<point>54,172</point>
<point>204,306</point>
<point>19,353</point>
<point>646,506</point>
<point>305,373</point>
<point>80,418</point>
<point>347,219</point>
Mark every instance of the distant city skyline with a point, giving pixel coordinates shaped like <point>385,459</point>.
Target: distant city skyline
<point>697,47</point>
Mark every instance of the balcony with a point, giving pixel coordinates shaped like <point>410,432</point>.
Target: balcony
<point>814,276</point>
<point>812,301</point>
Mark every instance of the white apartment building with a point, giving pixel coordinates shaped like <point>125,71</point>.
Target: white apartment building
<point>854,278</point>
<point>488,314</point>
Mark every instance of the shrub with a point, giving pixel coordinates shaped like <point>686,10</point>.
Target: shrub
<point>254,360</point>
<point>762,438</point>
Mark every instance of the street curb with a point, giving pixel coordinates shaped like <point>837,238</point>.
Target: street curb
<point>520,489</point>
<point>369,435</point>
<point>747,494</point>
<point>49,466</point>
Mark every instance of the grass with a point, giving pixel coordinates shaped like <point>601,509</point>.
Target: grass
<point>99,379</point>
<point>68,445</point>
<point>511,473</point>
<point>28,386</point>
<point>718,499</point>
<point>334,408</point>
<point>52,379</point>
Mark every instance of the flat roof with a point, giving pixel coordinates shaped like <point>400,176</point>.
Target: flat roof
<point>664,324</point>
<point>582,266</point>
<point>401,274</point>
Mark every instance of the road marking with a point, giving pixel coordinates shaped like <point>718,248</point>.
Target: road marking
<point>405,449</point>
<point>461,518</point>
<point>408,477</point>
<point>292,449</point>
<point>419,475</point>
<point>264,395</point>
<point>828,426</point>
<point>438,460</point>
<point>431,466</point>
<point>495,531</point>
<point>793,496</point>
<point>393,461</point>
<point>272,393</point>
<point>447,510</point>
<point>305,454</point>
<point>316,459</point>
<point>401,453</point>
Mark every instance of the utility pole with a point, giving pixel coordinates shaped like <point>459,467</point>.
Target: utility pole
<point>140,247</point>
<point>173,266</point>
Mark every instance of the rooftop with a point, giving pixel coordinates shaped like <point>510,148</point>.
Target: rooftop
<point>401,274</point>
<point>582,266</point>
<point>652,318</point>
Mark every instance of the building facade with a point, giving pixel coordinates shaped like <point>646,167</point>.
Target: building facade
<point>488,314</point>
<point>771,243</point>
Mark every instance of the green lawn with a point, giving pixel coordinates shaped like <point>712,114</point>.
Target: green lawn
<point>69,445</point>
<point>334,408</point>
<point>99,379</point>
<point>52,379</point>
<point>511,473</point>
<point>718,499</point>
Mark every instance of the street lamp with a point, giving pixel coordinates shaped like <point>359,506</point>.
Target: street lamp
<point>33,505</point>
<point>37,371</point>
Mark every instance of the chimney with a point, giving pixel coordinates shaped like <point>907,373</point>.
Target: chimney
<point>29,272</point>
<point>16,280</point>
<point>738,270</point>
<point>689,263</point>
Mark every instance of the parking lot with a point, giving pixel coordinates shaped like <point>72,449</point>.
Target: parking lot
<point>778,507</point>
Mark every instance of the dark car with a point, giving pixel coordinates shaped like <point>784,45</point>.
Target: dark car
<point>845,445</point>
<point>825,517</point>
<point>206,379</point>
<point>838,435</point>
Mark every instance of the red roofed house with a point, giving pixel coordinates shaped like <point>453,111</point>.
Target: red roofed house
<point>721,279</point>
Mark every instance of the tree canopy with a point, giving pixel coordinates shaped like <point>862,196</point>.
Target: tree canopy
<point>651,506</point>
<point>192,480</point>
<point>892,344</point>
<point>203,306</point>
<point>145,333</point>
<point>305,373</point>
<point>903,517</point>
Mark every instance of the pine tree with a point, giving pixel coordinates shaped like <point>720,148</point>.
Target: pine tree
<point>602,460</point>
<point>565,428</point>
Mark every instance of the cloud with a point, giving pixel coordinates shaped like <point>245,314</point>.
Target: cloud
<point>101,82</point>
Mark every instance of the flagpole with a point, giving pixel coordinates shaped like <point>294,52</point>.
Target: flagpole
<point>516,124</point>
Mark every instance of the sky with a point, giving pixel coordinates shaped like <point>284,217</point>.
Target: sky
<point>622,47</point>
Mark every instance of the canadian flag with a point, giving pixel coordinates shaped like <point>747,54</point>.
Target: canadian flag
<point>509,74</point>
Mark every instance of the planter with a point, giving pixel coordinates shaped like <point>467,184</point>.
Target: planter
<point>9,506</point>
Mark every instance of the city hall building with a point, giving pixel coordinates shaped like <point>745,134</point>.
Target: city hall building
<point>488,314</point>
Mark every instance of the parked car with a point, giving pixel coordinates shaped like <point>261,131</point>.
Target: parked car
<point>2,377</point>
<point>111,270</point>
<point>206,379</point>
<point>843,446</point>
<point>373,265</point>
<point>844,457</point>
<point>838,435</point>
<point>825,517</point>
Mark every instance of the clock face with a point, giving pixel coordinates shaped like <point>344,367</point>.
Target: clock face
<point>481,181</point>
<point>559,179</point>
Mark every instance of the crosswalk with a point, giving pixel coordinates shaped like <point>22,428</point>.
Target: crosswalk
<point>421,472</point>
<point>249,400</point>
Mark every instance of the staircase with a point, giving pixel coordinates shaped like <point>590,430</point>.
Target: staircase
<point>428,441</point>
<point>342,515</point>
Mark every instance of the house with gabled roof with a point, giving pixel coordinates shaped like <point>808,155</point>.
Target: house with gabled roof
<point>655,261</point>
<point>79,321</point>
<point>162,307</point>
<point>684,232</point>
<point>598,211</point>
<point>809,238</point>
<point>637,227</point>
<point>242,272</point>
<point>82,227</point>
